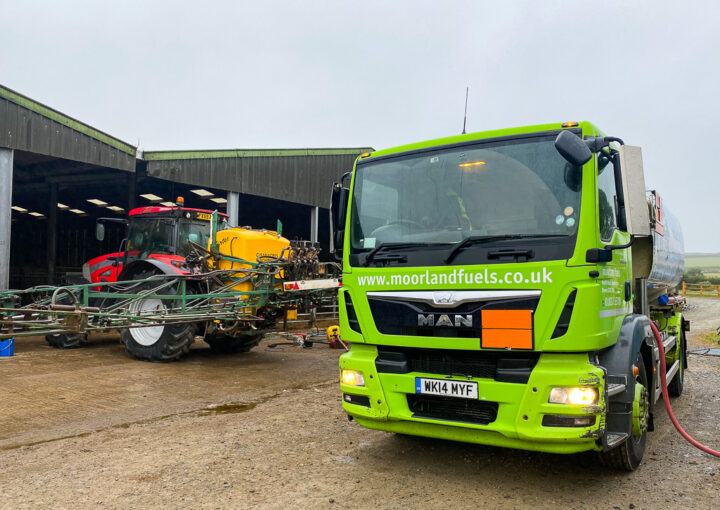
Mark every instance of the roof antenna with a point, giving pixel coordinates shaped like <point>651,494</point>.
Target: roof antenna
<point>467,89</point>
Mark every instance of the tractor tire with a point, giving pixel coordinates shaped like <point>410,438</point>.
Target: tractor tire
<point>229,344</point>
<point>675,388</point>
<point>629,454</point>
<point>66,341</point>
<point>161,343</point>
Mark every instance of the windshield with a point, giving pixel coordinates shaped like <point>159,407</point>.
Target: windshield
<point>520,186</point>
<point>150,235</point>
<point>196,231</point>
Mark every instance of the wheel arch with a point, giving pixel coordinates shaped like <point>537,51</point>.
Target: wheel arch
<point>635,339</point>
<point>137,267</point>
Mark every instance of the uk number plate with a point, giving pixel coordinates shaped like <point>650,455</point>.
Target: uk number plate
<point>446,387</point>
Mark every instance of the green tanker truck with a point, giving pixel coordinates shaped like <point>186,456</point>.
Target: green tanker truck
<point>498,288</point>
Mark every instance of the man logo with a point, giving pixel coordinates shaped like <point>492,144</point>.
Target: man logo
<point>443,298</point>
<point>460,321</point>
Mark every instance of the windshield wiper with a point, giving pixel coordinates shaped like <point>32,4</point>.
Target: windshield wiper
<point>481,239</point>
<point>391,246</point>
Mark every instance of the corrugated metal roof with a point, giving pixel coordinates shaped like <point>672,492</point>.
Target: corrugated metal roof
<point>251,153</point>
<point>31,126</point>
<point>295,177</point>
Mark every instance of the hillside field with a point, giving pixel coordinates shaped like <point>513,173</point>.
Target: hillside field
<point>709,263</point>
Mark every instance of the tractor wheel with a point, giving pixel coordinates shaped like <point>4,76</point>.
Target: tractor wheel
<point>228,344</point>
<point>66,341</point>
<point>629,454</point>
<point>161,342</point>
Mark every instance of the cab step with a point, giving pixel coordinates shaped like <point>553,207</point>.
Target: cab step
<point>614,439</point>
<point>615,389</point>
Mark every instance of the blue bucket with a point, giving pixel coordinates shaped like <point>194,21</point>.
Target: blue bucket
<point>7,348</point>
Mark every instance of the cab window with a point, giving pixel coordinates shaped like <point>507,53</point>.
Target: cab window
<point>607,199</point>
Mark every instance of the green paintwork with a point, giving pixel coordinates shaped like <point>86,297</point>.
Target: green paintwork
<point>641,409</point>
<point>249,153</point>
<point>389,409</point>
<point>63,119</point>
<point>673,326</point>
<point>599,311</point>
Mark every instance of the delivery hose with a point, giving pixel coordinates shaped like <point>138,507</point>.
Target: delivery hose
<point>666,397</point>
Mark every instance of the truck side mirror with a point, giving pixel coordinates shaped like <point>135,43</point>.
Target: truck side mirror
<point>572,148</point>
<point>99,231</point>
<point>633,189</point>
<point>338,212</point>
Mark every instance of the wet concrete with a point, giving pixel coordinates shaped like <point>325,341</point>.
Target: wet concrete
<point>93,428</point>
<point>51,394</point>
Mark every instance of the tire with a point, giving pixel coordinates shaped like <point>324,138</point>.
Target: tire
<point>228,344</point>
<point>675,388</point>
<point>156,343</point>
<point>66,341</point>
<point>628,455</point>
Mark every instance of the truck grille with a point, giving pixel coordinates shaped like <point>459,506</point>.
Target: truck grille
<point>394,317</point>
<point>452,409</point>
<point>500,366</point>
<point>473,364</point>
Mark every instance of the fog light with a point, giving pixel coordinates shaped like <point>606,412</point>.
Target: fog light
<point>358,400</point>
<point>352,378</point>
<point>582,395</point>
<point>558,420</point>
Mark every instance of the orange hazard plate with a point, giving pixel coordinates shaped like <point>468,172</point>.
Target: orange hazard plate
<point>507,329</point>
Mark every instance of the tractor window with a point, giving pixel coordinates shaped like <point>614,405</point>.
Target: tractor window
<point>197,232</point>
<point>148,236</point>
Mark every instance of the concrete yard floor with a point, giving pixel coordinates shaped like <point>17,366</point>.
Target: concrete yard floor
<point>93,428</point>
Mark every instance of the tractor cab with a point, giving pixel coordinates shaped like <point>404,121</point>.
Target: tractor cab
<point>159,234</point>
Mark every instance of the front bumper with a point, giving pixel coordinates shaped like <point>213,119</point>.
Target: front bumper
<point>520,407</point>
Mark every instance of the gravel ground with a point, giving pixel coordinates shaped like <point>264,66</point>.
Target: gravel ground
<point>91,428</point>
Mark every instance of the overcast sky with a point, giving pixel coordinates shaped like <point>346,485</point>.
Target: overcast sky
<point>233,74</point>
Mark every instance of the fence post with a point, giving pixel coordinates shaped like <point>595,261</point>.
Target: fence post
<point>701,289</point>
<point>684,288</point>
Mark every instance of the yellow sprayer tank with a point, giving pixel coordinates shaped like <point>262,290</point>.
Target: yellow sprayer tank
<point>248,244</point>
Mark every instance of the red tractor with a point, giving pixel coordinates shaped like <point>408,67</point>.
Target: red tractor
<point>157,242</point>
<point>157,238</point>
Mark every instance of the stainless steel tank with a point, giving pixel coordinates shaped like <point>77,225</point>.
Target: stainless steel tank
<point>661,257</point>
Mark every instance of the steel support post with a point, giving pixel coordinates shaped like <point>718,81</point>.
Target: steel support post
<point>314,213</point>
<point>6,178</point>
<point>233,207</point>
<point>52,237</point>
<point>132,186</point>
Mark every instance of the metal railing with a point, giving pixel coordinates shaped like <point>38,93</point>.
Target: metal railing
<point>326,311</point>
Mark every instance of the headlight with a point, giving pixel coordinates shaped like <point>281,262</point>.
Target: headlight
<point>582,395</point>
<point>352,378</point>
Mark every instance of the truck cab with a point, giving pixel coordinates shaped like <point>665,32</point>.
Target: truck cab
<point>489,292</point>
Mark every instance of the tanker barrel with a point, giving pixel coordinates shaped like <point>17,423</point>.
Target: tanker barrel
<point>660,258</point>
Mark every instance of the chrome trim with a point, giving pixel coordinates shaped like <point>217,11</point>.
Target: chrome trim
<point>672,372</point>
<point>453,298</point>
<point>615,389</point>
<point>669,342</point>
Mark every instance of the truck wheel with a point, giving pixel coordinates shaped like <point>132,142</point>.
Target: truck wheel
<point>66,341</point>
<point>629,454</point>
<point>160,342</point>
<point>675,388</point>
<point>227,344</point>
